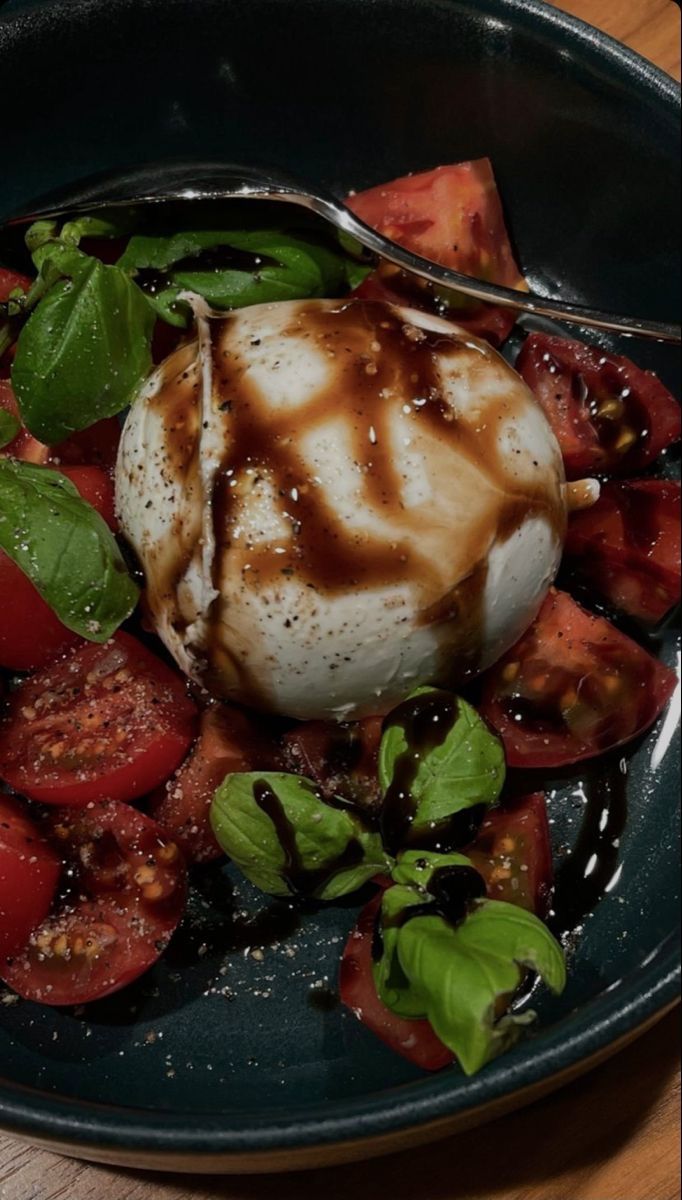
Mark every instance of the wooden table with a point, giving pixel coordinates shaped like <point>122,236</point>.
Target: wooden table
<point>611,1136</point>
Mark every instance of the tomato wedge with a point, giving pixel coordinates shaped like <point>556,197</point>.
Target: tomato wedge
<point>125,894</point>
<point>415,1040</point>
<point>628,546</point>
<point>341,758</point>
<point>109,721</point>
<point>454,217</point>
<point>608,415</point>
<point>513,853</point>
<point>228,741</point>
<point>29,874</point>
<point>572,688</point>
<point>31,635</point>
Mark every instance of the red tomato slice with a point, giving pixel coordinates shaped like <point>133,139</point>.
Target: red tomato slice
<point>93,447</point>
<point>10,281</point>
<point>513,853</point>
<point>96,487</point>
<point>107,721</point>
<point>24,446</point>
<point>628,546</point>
<point>454,217</point>
<point>341,758</point>
<point>29,874</point>
<point>607,414</point>
<point>229,741</point>
<point>31,635</point>
<point>415,1040</point>
<point>572,688</point>
<point>126,889</point>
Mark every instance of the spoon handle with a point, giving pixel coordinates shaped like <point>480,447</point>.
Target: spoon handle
<point>158,183</point>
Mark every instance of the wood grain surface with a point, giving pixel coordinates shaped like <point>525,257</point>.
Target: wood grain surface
<point>613,1135</point>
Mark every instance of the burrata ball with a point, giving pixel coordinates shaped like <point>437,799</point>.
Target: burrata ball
<point>336,501</point>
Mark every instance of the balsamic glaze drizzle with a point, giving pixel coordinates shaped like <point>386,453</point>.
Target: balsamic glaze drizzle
<point>301,880</point>
<point>426,721</point>
<point>452,892</point>
<point>585,876</point>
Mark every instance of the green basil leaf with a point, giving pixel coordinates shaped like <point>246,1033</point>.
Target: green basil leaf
<point>109,223</point>
<point>39,233</point>
<point>268,265</point>
<point>414,868</point>
<point>65,548</point>
<point>391,982</point>
<point>458,977</point>
<point>467,769</point>
<point>56,260</point>
<point>411,875</point>
<point>53,260</point>
<point>85,349</point>
<point>9,427</point>
<point>291,841</point>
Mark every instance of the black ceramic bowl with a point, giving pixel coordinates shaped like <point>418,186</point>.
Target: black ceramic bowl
<point>584,139</point>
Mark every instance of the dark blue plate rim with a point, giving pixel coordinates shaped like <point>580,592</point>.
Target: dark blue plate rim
<point>580,1038</point>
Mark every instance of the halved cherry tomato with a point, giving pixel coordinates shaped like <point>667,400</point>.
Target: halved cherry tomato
<point>341,758</point>
<point>608,415</point>
<point>628,546</point>
<point>31,635</point>
<point>107,721</point>
<point>229,741</point>
<point>29,874</point>
<point>24,445</point>
<point>93,447</point>
<point>454,217</point>
<point>513,853</point>
<point>125,894</point>
<point>415,1040</point>
<point>572,688</point>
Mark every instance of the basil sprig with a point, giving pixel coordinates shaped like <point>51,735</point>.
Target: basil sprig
<point>84,350</point>
<point>9,427</point>
<point>447,779</point>
<point>84,345</point>
<point>65,548</point>
<point>287,840</point>
<point>459,974</point>
<point>268,265</point>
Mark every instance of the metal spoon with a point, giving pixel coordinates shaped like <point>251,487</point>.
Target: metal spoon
<point>158,183</point>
